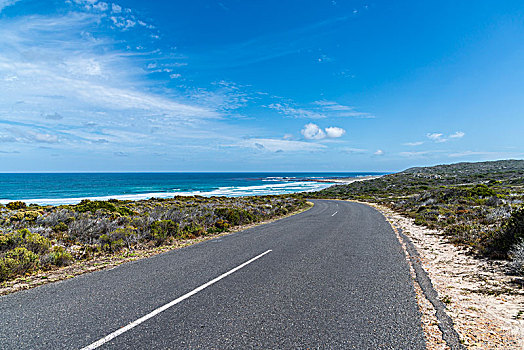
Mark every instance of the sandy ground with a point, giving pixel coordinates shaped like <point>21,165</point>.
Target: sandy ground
<point>348,180</point>
<point>486,305</point>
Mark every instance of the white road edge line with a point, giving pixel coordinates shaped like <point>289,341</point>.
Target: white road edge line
<point>168,305</point>
<point>335,213</point>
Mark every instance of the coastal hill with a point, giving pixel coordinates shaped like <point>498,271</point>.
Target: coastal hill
<point>510,172</point>
<point>460,172</point>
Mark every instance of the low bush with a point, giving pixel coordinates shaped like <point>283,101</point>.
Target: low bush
<point>162,229</point>
<point>221,225</point>
<point>58,256</point>
<point>17,262</point>
<point>482,190</point>
<point>110,243</point>
<point>517,258</point>
<point>15,205</point>
<point>87,205</point>
<point>26,239</point>
<point>502,240</point>
<point>235,216</point>
<point>192,230</point>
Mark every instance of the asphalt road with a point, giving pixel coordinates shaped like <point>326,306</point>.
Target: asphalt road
<point>333,277</point>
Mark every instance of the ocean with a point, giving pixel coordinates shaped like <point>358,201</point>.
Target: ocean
<point>71,188</point>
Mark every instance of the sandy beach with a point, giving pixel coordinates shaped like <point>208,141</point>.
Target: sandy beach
<point>346,180</point>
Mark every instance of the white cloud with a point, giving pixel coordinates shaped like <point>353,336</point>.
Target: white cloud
<point>379,152</point>
<point>295,112</point>
<point>64,76</point>
<point>226,96</point>
<point>335,132</point>
<point>313,132</point>
<point>415,153</point>
<point>101,6</point>
<point>333,106</point>
<point>75,69</point>
<point>116,8</point>
<point>417,143</point>
<point>7,3</point>
<point>475,153</point>
<point>19,135</point>
<point>320,110</point>
<point>334,109</point>
<point>437,137</point>
<point>122,22</point>
<point>457,135</point>
<point>123,19</point>
<point>84,66</point>
<point>53,116</point>
<point>277,145</point>
<point>46,138</point>
<point>353,150</point>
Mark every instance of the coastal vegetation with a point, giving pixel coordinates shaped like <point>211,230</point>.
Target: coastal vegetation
<point>476,205</point>
<point>35,238</point>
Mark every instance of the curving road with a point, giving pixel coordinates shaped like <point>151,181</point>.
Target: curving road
<point>333,277</point>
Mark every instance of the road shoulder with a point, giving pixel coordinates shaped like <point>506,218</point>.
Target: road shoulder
<point>486,312</point>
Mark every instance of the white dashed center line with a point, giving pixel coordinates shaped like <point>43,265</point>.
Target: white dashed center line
<point>335,213</point>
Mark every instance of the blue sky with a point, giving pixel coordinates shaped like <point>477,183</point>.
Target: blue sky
<point>231,85</point>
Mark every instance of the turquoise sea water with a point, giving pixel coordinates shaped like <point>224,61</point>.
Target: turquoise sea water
<point>70,188</point>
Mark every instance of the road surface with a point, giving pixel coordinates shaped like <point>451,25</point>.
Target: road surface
<point>333,277</point>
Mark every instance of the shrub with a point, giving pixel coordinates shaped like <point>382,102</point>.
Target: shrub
<point>87,205</point>
<point>460,229</point>
<point>192,230</point>
<point>482,191</point>
<point>235,216</point>
<point>222,225</point>
<point>92,227</point>
<point>87,229</point>
<point>27,216</point>
<point>17,217</point>
<point>24,238</point>
<point>16,262</point>
<point>34,242</point>
<point>517,258</point>
<point>16,205</point>
<point>31,215</point>
<point>511,233</point>
<point>110,244</point>
<point>57,216</point>
<point>60,227</point>
<point>162,229</point>
<point>127,235</point>
<point>60,257</point>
